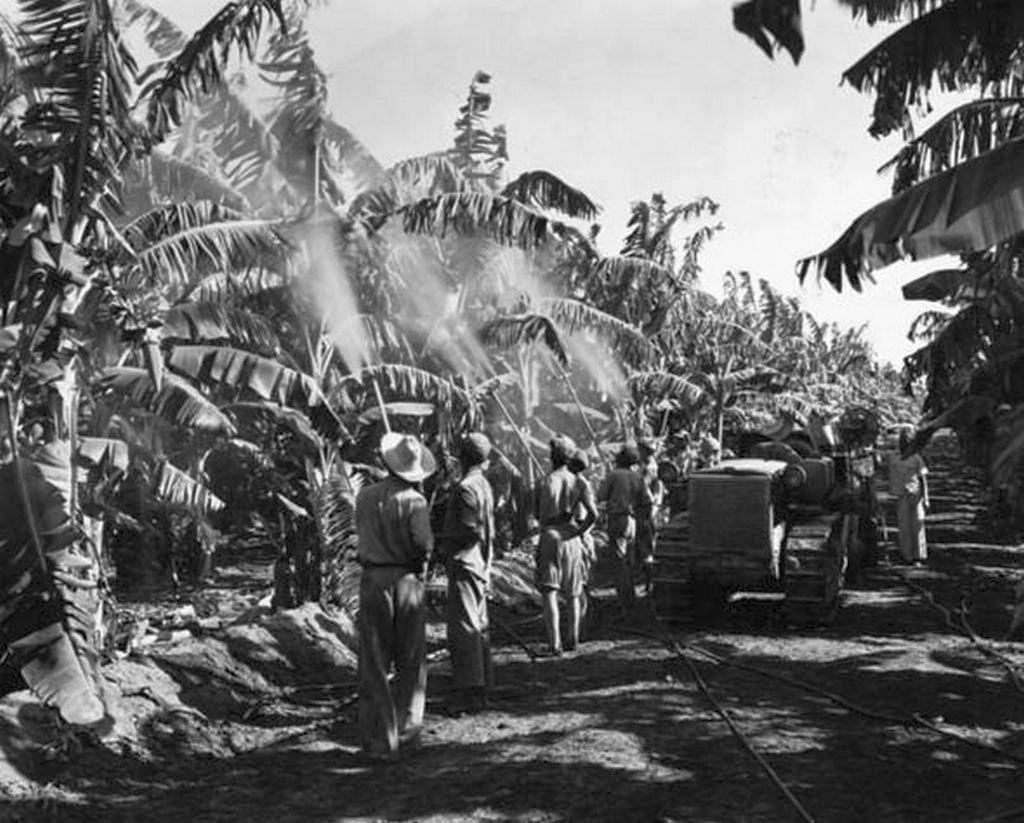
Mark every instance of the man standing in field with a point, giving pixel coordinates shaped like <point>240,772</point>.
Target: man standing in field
<point>395,543</point>
<point>646,526</point>
<point>469,549</point>
<point>627,501</point>
<point>560,554</point>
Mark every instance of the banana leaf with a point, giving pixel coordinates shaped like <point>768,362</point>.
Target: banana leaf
<point>49,598</point>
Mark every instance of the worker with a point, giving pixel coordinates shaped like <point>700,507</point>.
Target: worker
<point>626,501</point>
<point>579,463</point>
<point>646,527</point>
<point>908,483</point>
<point>395,544</point>
<point>468,545</point>
<point>560,551</point>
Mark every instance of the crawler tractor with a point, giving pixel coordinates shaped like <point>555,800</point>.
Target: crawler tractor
<point>757,524</point>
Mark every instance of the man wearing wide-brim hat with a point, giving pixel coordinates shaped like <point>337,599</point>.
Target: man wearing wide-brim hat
<point>395,544</point>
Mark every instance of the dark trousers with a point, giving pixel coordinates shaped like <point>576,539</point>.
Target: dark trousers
<point>392,632</point>
<point>469,638</point>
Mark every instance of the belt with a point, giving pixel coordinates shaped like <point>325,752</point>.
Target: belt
<point>407,566</point>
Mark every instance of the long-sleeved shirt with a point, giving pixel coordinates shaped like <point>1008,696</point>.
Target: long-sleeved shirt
<point>625,492</point>
<point>393,526</point>
<point>469,521</point>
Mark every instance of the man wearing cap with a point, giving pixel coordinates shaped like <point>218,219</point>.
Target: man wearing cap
<point>560,554</point>
<point>395,543</point>
<point>626,500</point>
<point>469,547</point>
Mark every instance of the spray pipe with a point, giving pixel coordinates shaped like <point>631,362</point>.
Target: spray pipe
<point>383,408</point>
<point>519,434</point>
<point>576,399</point>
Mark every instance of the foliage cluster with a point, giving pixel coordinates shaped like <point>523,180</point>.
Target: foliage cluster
<point>210,312</point>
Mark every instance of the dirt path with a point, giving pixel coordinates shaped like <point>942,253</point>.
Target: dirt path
<point>620,730</point>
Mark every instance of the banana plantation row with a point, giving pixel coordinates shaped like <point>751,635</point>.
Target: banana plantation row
<point>209,306</point>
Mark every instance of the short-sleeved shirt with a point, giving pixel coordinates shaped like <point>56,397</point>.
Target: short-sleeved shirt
<point>393,525</point>
<point>469,521</point>
<point>559,496</point>
<point>625,493</point>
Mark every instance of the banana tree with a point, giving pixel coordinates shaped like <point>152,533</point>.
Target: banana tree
<point>68,134</point>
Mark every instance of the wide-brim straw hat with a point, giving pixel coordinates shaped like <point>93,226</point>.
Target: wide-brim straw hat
<point>406,457</point>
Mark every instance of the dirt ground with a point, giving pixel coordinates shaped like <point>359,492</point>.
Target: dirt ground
<point>898,711</point>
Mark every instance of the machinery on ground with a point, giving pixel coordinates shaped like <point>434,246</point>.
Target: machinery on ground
<point>785,518</point>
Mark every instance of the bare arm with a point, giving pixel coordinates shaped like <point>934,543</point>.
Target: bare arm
<point>589,509</point>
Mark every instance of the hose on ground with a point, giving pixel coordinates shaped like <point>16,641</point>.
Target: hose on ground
<point>871,714</point>
<point>961,626</point>
<point>702,685</point>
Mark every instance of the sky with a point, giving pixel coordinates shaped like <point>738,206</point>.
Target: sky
<point>624,98</point>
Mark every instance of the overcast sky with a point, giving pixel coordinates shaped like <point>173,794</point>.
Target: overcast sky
<point>622,98</point>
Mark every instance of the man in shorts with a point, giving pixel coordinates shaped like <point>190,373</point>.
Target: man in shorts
<point>560,566</point>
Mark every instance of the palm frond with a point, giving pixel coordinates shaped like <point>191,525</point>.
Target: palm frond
<point>210,322</point>
<point>161,33</point>
<point>83,77</point>
<point>771,24</point>
<point>178,488</point>
<point>576,317</point>
<point>173,178</point>
<point>951,355</point>
<point>949,285</point>
<point>970,43</point>
<point>104,452</point>
<point>927,324</point>
<point>240,139</point>
<point>223,287</point>
<point>400,382</point>
<point>243,371</point>
<point>199,66</point>
<point>657,385</point>
<point>971,207</point>
<point>516,330</point>
<point>476,214</point>
<point>248,413</point>
<point>178,241</point>
<point>966,132</point>
<point>888,11</point>
<point>544,191</point>
<point>623,271</point>
<point>176,399</point>
<point>385,336</point>
<point>334,506</point>
<point>404,183</point>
